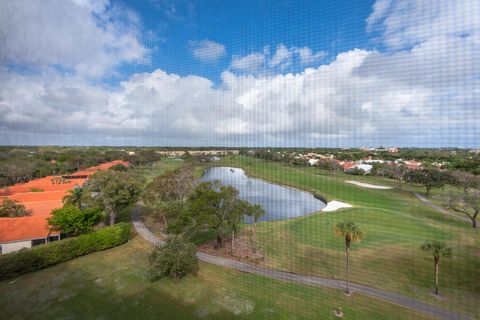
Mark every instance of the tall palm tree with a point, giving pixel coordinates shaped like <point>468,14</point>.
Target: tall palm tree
<point>352,233</point>
<point>256,212</point>
<point>74,197</point>
<point>438,249</point>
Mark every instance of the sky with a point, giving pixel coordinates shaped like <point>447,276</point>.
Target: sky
<point>281,73</point>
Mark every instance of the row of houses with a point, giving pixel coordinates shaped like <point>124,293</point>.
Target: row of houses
<point>40,197</point>
<point>366,164</point>
<point>179,153</point>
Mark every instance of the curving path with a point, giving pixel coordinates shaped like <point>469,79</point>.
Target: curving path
<point>438,208</point>
<point>403,301</point>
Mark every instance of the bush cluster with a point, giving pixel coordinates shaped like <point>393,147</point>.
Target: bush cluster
<point>39,257</point>
<point>175,259</point>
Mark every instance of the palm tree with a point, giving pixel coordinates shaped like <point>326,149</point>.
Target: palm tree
<point>74,197</point>
<point>438,249</point>
<point>256,212</point>
<point>352,233</point>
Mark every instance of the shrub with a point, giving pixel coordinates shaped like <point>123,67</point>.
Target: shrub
<point>118,167</point>
<point>12,209</point>
<point>36,190</point>
<point>42,256</point>
<point>74,221</point>
<point>175,259</point>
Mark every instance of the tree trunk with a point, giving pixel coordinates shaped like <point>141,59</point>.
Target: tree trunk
<point>219,241</point>
<point>254,247</point>
<point>347,252</point>
<point>165,221</point>
<point>113,217</point>
<point>474,219</point>
<point>428,191</point>
<point>233,240</point>
<point>436,274</point>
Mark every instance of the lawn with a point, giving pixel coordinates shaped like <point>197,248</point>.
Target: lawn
<point>113,285</point>
<point>396,224</point>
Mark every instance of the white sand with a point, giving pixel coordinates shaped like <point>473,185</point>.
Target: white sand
<point>368,185</point>
<point>335,205</point>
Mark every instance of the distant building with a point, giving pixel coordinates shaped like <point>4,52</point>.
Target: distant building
<point>413,165</point>
<point>313,162</point>
<point>393,150</point>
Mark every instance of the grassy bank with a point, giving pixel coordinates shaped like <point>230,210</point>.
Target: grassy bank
<point>113,285</point>
<point>396,224</point>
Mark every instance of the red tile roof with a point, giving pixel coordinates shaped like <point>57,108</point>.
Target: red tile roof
<point>40,203</point>
<point>24,228</point>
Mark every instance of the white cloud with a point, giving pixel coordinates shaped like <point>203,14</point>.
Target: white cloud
<point>86,36</point>
<point>207,50</point>
<point>423,91</point>
<point>334,104</point>
<point>278,60</point>
<point>251,63</point>
<point>307,56</point>
<point>282,57</point>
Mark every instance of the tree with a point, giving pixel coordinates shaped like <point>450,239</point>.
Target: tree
<point>74,221</point>
<point>467,203</point>
<point>466,180</point>
<point>12,209</point>
<point>352,234</point>
<point>399,172</point>
<point>235,217</point>
<point>256,212</point>
<point>429,178</point>
<point>438,249</point>
<point>74,197</point>
<point>175,259</point>
<point>118,167</point>
<point>169,192</point>
<point>210,206</point>
<point>113,191</point>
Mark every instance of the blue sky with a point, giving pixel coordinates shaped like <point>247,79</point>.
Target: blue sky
<point>240,73</point>
<point>244,27</point>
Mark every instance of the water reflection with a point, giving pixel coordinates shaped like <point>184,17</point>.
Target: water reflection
<point>279,202</point>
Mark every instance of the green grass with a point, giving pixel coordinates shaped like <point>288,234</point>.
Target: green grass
<point>158,168</point>
<point>113,285</point>
<point>396,224</point>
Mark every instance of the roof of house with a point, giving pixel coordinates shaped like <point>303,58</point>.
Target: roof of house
<point>24,228</point>
<point>40,204</point>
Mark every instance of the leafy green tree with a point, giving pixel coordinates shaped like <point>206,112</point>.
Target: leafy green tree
<point>429,178</point>
<point>255,212</point>
<point>169,192</point>
<point>352,234</point>
<point>211,206</point>
<point>74,197</point>
<point>118,167</point>
<point>74,221</point>
<point>113,191</point>
<point>175,259</point>
<point>12,209</point>
<point>438,249</point>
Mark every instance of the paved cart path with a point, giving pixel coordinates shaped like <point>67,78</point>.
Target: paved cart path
<point>403,301</point>
<point>438,208</point>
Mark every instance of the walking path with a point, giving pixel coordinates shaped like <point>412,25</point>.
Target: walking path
<point>308,280</point>
<point>439,209</point>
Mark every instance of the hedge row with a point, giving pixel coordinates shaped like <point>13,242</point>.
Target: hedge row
<point>39,257</point>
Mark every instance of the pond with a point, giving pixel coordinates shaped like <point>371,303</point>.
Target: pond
<point>279,202</point>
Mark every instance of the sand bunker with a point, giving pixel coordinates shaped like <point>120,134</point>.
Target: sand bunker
<point>368,185</point>
<point>335,205</point>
